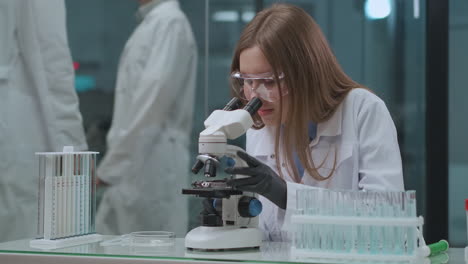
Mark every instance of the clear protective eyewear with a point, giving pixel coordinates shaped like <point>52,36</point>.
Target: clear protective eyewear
<point>264,85</point>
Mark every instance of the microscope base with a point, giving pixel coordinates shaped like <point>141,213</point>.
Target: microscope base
<point>208,238</point>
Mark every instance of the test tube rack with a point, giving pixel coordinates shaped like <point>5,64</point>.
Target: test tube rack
<point>67,200</point>
<point>357,225</point>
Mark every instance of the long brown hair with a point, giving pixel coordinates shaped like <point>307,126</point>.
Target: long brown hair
<point>293,44</point>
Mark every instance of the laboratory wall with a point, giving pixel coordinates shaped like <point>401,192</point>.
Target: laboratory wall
<point>458,122</point>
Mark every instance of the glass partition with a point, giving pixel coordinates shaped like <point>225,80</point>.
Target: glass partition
<point>458,125</point>
<point>379,43</point>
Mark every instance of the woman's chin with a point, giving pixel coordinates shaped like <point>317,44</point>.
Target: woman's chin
<point>268,121</point>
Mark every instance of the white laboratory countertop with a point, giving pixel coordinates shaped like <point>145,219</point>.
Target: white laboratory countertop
<point>270,252</point>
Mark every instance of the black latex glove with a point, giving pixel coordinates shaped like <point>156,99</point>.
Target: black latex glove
<point>263,180</point>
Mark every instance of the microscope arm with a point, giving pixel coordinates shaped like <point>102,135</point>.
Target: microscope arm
<point>232,153</point>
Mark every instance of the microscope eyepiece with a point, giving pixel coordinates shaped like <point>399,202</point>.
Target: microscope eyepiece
<point>253,105</point>
<point>234,104</point>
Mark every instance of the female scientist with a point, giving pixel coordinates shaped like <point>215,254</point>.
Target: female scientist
<point>316,127</point>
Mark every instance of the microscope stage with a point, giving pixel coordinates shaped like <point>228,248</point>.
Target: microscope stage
<point>212,192</point>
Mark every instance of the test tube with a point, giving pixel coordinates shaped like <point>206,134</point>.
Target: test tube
<point>466,248</point>
<point>399,241</point>
<point>360,212</point>
<point>93,192</point>
<point>300,201</point>
<point>400,231</point>
<point>42,185</point>
<point>86,195</point>
<point>466,210</point>
<point>411,241</point>
<point>60,201</point>
<point>327,211</point>
<point>348,238</point>
<point>68,195</point>
<point>56,200</point>
<point>374,230</point>
<point>338,237</point>
<point>82,195</point>
<point>49,197</point>
<point>299,231</point>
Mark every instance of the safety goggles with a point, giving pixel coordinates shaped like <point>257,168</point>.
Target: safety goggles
<point>263,85</point>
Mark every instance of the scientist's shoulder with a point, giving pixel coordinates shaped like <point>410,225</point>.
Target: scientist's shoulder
<point>169,12</point>
<point>362,97</point>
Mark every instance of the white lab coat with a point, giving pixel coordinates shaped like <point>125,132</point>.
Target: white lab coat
<point>147,163</point>
<point>368,157</point>
<point>38,105</point>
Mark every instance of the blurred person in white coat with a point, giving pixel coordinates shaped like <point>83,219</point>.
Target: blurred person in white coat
<point>317,128</point>
<point>147,161</point>
<point>38,105</point>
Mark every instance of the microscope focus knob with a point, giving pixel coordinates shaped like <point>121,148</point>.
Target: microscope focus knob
<point>249,206</point>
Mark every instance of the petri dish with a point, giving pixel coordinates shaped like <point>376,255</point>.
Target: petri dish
<point>152,239</point>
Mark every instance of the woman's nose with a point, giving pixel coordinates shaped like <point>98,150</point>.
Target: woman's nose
<point>255,84</point>
<point>252,94</point>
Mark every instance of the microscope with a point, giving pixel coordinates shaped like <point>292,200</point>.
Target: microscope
<point>230,217</point>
